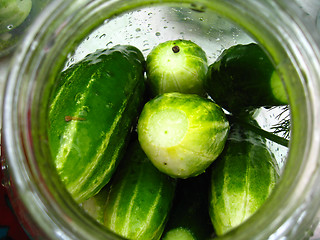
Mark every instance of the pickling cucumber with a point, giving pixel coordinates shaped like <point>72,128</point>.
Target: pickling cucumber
<point>13,13</point>
<point>182,134</point>
<point>241,179</point>
<point>243,77</point>
<point>139,198</point>
<point>91,116</point>
<point>176,66</point>
<point>189,217</point>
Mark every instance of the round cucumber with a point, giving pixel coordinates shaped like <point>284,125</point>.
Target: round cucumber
<point>92,113</point>
<point>13,13</point>
<point>182,134</point>
<point>139,198</point>
<point>243,77</point>
<point>241,179</point>
<point>176,66</point>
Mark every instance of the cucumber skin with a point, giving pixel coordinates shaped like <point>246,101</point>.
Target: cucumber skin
<point>106,91</point>
<point>194,68</point>
<point>138,188</point>
<point>240,79</point>
<point>246,170</point>
<point>189,212</point>
<point>202,144</point>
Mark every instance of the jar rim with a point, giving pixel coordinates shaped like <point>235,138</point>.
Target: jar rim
<point>290,34</point>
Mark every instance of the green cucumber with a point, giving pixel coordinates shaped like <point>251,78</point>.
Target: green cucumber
<point>243,77</point>
<point>182,134</point>
<point>139,198</point>
<point>95,205</point>
<point>241,179</point>
<point>91,116</point>
<point>177,66</point>
<point>189,217</point>
<point>13,13</point>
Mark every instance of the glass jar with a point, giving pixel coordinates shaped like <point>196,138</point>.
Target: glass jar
<point>68,30</point>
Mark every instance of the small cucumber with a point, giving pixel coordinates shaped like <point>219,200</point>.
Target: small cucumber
<point>241,179</point>
<point>91,116</point>
<point>139,198</point>
<point>177,66</point>
<point>189,217</point>
<point>243,77</point>
<point>182,134</point>
<point>13,13</point>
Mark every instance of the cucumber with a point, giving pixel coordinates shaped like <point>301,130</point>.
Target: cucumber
<point>182,134</point>
<point>95,205</point>
<point>177,66</point>
<point>91,116</point>
<point>241,179</point>
<point>189,217</point>
<point>139,198</point>
<point>13,13</point>
<point>243,77</point>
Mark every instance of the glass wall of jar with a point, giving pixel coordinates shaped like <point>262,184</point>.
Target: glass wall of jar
<point>70,29</point>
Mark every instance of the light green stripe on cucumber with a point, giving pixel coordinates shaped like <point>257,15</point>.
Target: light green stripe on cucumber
<point>99,154</point>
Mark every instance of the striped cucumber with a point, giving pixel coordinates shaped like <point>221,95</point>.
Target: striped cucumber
<point>91,115</point>
<point>139,197</point>
<point>182,134</point>
<point>241,180</point>
<point>189,217</point>
<point>177,66</point>
<point>243,77</point>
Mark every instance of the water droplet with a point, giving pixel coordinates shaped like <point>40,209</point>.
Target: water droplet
<point>84,111</point>
<point>102,36</point>
<point>109,43</point>
<point>197,8</point>
<point>158,34</point>
<point>10,27</point>
<point>78,98</point>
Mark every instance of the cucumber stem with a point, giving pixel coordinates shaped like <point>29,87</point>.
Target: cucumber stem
<point>176,49</point>
<point>282,141</point>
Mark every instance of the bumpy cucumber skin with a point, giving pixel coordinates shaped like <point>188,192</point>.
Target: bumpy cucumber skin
<point>13,13</point>
<point>207,131</point>
<point>91,116</point>
<point>243,78</point>
<point>183,71</point>
<point>241,179</point>
<point>189,217</point>
<point>139,198</point>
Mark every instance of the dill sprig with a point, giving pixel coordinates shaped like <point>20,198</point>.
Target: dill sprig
<point>284,125</point>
